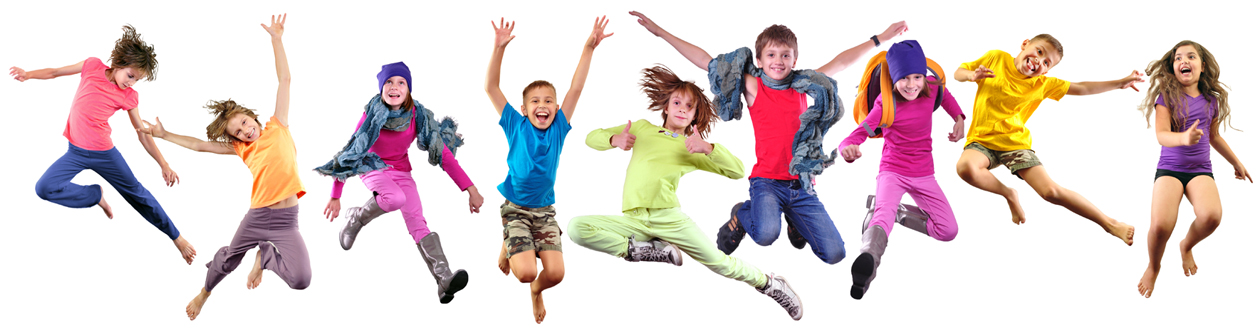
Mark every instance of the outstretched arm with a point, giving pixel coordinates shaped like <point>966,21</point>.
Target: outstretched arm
<point>49,73</point>
<point>1218,143</point>
<point>492,79</point>
<point>195,144</point>
<point>582,68</point>
<point>848,57</point>
<point>151,146</point>
<point>696,55</point>
<point>1097,87</point>
<point>276,30</point>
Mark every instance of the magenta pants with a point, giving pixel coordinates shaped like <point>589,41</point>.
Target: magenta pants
<point>928,196</point>
<point>397,191</point>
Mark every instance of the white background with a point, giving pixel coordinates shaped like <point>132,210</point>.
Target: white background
<point>72,267</point>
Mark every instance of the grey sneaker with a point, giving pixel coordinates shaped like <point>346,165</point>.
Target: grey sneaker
<point>653,250</point>
<point>778,289</point>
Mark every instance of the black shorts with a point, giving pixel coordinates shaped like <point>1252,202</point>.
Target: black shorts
<point>1182,177</point>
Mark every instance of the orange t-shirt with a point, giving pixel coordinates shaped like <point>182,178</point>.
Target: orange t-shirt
<point>273,160</point>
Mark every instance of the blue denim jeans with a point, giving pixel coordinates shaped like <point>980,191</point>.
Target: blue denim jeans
<point>761,217</point>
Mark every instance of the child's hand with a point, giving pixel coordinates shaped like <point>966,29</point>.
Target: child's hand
<point>1129,81</point>
<point>502,33</point>
<point>982,73</point>
<point>596,36</point>
<point>170,176</point>
<point>894,30</point>
<point>277,26</point>
<point>646,22</point>
<point>1242,173</point>
<point>624,140</point>
<point>156,131</point>
<point>474,200</point>
<point>332,210</point>
<point>957,130</point>
<point>851,152</point>
<point>695,143</point>
<point>17,73</point>
<point>1192,135</point>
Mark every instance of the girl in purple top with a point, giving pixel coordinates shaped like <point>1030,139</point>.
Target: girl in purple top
<point>907,164</point>
<point>1189,103</point>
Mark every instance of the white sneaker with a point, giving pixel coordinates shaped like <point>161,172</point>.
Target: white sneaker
<point>778,289</point>
<point>653,250</point>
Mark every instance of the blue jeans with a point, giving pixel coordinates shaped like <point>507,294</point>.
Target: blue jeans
<point>55,186</point>
<point>761,217</point>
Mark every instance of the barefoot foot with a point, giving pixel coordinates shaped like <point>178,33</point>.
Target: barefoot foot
<point>504,263</point>
<point>538,306</point>
<point>1123,231</point>
<point>255,275</point>
<point>104,205</point>
<point>1147,282</point>
<point>194,306</point>
<point>1014,205</point>
<point>185,249</point>
<point>1189,262</point>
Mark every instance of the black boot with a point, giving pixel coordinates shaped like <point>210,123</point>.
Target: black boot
<point>447,282</point>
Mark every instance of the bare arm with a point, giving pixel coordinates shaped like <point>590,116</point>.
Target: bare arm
<point>276,30</point>
<point>1219,144</point>
<point>1169,138</point>
<point>582,68</point>
<point>1097,87</point>
<point>189,142</point>
<point>151,146</point>
<point>492,79</point>
<point>696,55</point>
<point>43,74</point>
<point>848,57</point>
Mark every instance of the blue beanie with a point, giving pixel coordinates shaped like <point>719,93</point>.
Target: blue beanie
<point>905,58</point>
<point>394,69</point>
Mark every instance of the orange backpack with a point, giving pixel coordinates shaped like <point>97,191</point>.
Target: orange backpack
<point>876,81</point>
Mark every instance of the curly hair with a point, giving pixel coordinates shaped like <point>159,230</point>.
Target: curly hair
<point>1163,83</point>
<point>659,83</point>
<point>131,51</point>
<point>223,111</point>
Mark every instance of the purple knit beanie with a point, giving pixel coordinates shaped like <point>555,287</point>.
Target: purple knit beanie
<point>394,69</point>
<point>905,58</point>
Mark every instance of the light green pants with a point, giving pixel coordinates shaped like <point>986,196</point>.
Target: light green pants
<point>609,234</point>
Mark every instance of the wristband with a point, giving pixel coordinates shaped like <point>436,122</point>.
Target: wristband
<point>876,42</point>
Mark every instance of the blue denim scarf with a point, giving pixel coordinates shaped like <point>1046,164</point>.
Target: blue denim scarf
<point>430,135</point>
<point>727,74</point>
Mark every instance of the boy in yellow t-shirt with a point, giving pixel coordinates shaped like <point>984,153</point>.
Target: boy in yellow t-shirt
<point>1009,90</point>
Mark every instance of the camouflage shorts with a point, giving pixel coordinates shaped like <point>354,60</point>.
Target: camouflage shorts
<point>1015,160</point>
<point>526,229</point>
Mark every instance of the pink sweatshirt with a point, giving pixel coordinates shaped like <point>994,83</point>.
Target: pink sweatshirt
<point>394,146</point>
<point>907,141</point>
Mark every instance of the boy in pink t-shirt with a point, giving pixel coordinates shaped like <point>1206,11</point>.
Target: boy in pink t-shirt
<point>102,91</point>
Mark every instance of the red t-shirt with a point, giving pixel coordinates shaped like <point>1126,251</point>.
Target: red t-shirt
<point>96,100</point>
<point>775,117</point>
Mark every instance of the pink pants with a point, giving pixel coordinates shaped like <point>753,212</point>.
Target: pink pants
<point>928,196</point>
<point>396,191</point>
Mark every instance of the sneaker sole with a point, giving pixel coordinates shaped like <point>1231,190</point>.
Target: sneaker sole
<point>861,273</point>
<point>725,240</point>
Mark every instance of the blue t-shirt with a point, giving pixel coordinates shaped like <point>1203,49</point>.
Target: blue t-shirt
<point>533,158</point>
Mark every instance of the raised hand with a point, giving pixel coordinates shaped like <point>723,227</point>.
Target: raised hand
<point>502,32</point>
<point>17,73</point>
<point>982,73</point>
<point>1192,135</point>
<point>894,30</point>
<point>1129,82</point>
<point>624,140</point>
<point>957,130</point>
<point>332,210</point>
<point>596,36</point>
<point>695,143</point>
<point>646,22</point>
<point>851,152</point>
<point>277,26</point>
<point>157,131</point>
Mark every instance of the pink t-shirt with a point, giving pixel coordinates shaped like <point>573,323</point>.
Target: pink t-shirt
<point>96,100</point>
<point>775,117</point>
<point>394,149</point>
<point>908,146</point>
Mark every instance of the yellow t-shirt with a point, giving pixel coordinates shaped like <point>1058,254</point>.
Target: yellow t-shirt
<point>273,160</point>
<point>1005,102</point>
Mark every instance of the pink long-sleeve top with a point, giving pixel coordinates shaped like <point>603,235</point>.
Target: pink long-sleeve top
<point>907,146</point>
<point>394,148</point>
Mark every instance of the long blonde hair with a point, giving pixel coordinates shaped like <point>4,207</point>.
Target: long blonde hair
<point>1165,84</point>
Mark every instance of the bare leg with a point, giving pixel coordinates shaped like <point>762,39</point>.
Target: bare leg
<point>194,306</point>
<point>255,275</point>
<point>503,262</point>
<point>1167,193</point>
<point>104,205</point>
<point>550,276</point>
<point>1038,179</point>
<point>972,167</point>
<point>185,248</point>
<point>1202,192</point>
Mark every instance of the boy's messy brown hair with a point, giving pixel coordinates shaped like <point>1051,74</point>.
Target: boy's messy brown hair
<point>131,51</point>
<point>659,83</point>
<point>776,35</point>
<point>1051,41</point>
<point>223,111</point>
<point>1163,83</point>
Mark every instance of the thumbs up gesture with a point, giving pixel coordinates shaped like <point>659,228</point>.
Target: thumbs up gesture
<point>1192,135</point>
<point>624,140</point>
<point>695,144</point>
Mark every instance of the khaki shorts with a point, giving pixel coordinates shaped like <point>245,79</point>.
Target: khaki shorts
<point>525,229</point>
<point>1015,160</point>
